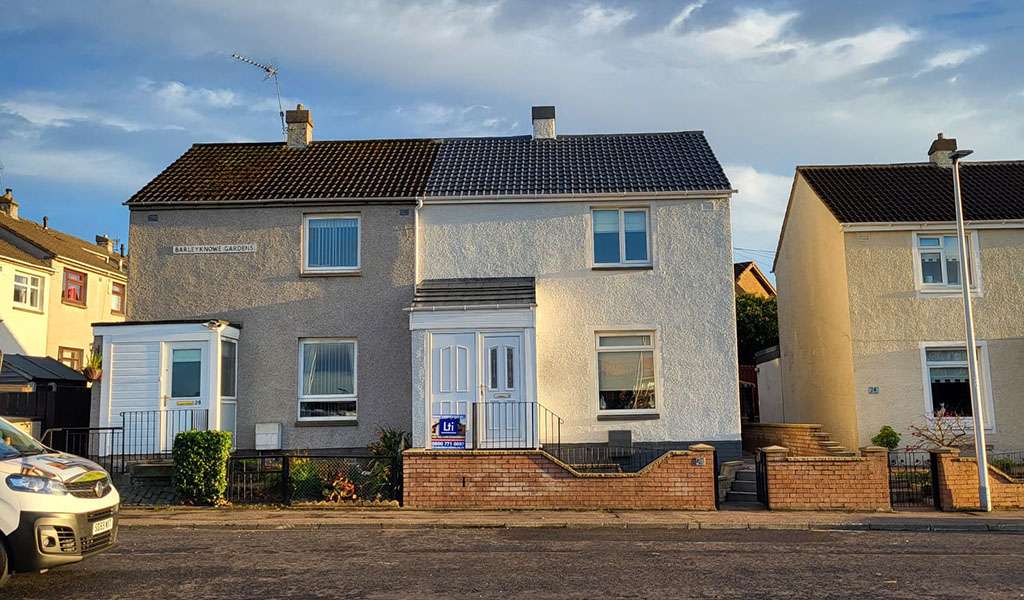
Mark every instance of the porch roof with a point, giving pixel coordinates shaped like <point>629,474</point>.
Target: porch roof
<point>475,291</point>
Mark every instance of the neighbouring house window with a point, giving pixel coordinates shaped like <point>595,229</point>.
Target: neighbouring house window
<point>948,387</point>
<point>117,297</point>
<point>625,371</point>
<point>71,357</point>
<point>327,386</point>
<point>28,290</point>
<point>621,237</point>
<point>228,368</point>
<point>74,287</point>
<point>939,260</point>
<point>332,243</point>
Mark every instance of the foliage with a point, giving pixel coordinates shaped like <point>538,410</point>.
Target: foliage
<point>886,438</point>
<point>1006,465</point>
<point>340,488</point>
<point>946,430</point>
<point>757,325</point>
<point>386,466</point>
<point>95,358</point>
<point>201,466</point>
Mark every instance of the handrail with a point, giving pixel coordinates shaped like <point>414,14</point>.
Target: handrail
<point>512,425</point>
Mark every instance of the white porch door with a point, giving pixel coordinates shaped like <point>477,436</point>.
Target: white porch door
<point>186,391</point>
<point>506,420</point>
<point>453,376</point>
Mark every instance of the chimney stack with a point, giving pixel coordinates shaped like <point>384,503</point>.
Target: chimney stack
<point>543,122</point>
<point>46,222</point>
<point>8,204</point>
<point>300,127</point>
<point>940,150</point>
<point>106,243</point>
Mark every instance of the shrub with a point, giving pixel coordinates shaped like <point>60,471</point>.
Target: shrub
<point>886,438</point>
<point>386,466</point>
<point>201,466</point>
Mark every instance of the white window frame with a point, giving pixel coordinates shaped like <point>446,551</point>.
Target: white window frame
<point>622,238</point>
<point>353,397</point>
<point>234,386</point>
<point>653,347</point>
<point>123,297</point>
<point>39,288</point>
<point>984,374</point>
<point>945,288</point>
<point>305,243</point>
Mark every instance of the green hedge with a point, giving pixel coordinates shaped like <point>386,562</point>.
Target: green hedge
<point>201,466</point>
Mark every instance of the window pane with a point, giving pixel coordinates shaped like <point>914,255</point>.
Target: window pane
<point>946,355</point>
<point>333,242</point>
<point>626,380</point>
<point>606,236</point>
<point>931,267</point>
<point>345,408</point>
<point>950,390</point>
<point>328,368</point>
<point>510,368</point>
<point>952,251</point>
<point>636,234</point>
<point>928,242</point>
<point>186,373</point>
<point>612,341</point>
<point>493,371</point>
<point>228,368</point>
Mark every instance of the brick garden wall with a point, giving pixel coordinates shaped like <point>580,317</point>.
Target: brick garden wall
<point>854,483</point>
<point>438,479</point>
<point>794,436</point>
<point>958,484</point>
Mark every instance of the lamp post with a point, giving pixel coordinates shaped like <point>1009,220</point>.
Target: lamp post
<point>972,352</point>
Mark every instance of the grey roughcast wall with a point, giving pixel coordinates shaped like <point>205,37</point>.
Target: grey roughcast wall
<point>276,304</point>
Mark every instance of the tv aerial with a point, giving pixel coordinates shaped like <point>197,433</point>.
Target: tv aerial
<point>270,72</point>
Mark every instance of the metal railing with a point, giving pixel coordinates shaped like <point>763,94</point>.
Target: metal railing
<point>286,479</point>
<point>149,434</point>
<point>509,425</point>
<point>913,480</point>
<point>606,459</point>
<point>761,478</point>
<point>102,445</point>
<point>1011,463</point>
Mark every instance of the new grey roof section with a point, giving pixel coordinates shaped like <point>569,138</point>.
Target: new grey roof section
<point>478,291</point>
<point>575,165</point>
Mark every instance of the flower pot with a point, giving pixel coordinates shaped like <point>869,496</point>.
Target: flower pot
<point>92,374</point>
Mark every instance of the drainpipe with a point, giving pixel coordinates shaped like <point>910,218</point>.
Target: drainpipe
<point>416,240</point>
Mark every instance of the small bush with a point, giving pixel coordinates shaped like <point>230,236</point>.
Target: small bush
<point>386,466</point>
<point>886,438</point>
<point>201,466</point>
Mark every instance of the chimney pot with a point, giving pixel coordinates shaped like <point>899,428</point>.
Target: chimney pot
<point>941,149</point>
<point>106,243</point>
<point>46,222</point>
<point>8,205</point>
<point>543,122</point>
<point>300,127</point>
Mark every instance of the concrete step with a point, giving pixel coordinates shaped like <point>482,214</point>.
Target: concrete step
<point>746,475</point>
<point>744,486</point>
<point>822,436</point>
<point>830,444</point>
<point>843,452</point>
<point>151,471</point>
<point>741,496</point>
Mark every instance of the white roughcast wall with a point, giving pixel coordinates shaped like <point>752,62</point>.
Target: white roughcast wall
<point>687,298</point>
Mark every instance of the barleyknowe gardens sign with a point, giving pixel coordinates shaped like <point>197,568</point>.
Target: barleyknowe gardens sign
<point>214,249</point>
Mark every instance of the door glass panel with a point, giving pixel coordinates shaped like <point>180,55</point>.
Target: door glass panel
<point>510,368</point>
<point>186,373</point>
<point>493,371</point>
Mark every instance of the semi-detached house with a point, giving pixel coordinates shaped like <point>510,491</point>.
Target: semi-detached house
<point>478,292</point>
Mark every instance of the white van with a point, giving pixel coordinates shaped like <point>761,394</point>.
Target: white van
<point>55,508</point>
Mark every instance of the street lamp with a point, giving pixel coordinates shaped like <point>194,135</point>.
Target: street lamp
<point>972,352</point>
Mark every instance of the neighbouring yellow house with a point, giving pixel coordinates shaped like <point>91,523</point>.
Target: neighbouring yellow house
<point>54,286</point>
<point>749,279</point>
<point>870,304</point>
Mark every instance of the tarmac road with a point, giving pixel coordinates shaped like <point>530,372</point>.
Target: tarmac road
<point>158,562</point>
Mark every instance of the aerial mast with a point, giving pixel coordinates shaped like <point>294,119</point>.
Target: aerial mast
<point>270,72</point>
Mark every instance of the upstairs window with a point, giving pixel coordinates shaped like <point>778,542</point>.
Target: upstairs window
<point>75,284</point>
<point>117,297</point>
<point>625,372</point>
<point>28,291</point>
<point>621,237</point>
<point>331,243</point>
<point>938,259</point>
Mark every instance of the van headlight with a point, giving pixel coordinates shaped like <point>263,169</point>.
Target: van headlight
<point>36,485</point>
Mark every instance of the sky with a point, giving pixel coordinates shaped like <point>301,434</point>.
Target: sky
<point>97,98</point>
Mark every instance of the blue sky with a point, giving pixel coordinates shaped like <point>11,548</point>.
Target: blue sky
<point>98,98</point>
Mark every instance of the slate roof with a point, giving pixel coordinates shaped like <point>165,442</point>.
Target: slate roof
<point>59,244</point>
<point>481,291</point>
<point>406,169</point>
<point>18,368</point>
<point>9,250</point>
<point>917,192</point>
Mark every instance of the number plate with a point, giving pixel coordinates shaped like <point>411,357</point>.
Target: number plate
<point>102,526</point>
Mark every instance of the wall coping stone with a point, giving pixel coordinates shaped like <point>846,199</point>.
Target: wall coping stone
<point>785,425</point>
<point>825,459</point>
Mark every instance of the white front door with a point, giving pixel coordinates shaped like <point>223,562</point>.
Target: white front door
<point>506,420</point>
<point>453,377</point>
<point>186,390</point>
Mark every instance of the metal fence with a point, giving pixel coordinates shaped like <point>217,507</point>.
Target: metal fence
<point>761,477</point>
<point>149,434</point>
<point>505,425</point>
<point>1011,463</point>
<point>286,479</point>
<point>606,459</point>
<point>913,480</point>
<point>102,445</point>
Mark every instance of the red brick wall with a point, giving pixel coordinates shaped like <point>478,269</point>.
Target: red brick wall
<point>858,483</point>
<point>794,436</point>
<point>533,479</point>
<point>958,484</point>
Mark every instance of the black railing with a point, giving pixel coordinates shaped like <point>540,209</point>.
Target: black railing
<point>102,445</point>
<point>286,479</point>
<point>149,434</point>
<point>507,425</point>
<point>606,459</point>
<point>1011,463</point>
<point>913,480</point>
<point>761,478</point>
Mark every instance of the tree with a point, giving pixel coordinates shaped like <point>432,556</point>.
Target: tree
<point>757,325</point>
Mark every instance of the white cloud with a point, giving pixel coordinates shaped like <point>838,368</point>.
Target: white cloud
<point>597,19</point>
<point>93,166</point>
<point>46,114</point>
<point>431,118</point>
<point>684,15</point>
<point>951,59</point>
<point>179,97</point>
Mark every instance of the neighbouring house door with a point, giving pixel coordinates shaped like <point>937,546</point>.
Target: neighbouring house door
<point>506,420</point>
<point>186,388</point>
<point>453,378</point>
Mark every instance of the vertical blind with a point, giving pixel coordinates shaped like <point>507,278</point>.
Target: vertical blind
<point>636,234</point>
<point>327,368</point>
<point>606,236</point>
<point>333,242</point>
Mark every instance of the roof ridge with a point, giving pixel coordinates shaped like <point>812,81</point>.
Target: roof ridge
<point>441,139</point>
<point>906,164</point>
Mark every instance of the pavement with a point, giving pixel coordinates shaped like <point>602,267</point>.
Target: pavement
<point>537,564</point>
<point>382,518</point>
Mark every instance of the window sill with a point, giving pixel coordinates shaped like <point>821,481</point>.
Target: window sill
<point>74,304</point>
<point>628,416</point>
<point>946,292</point>
<point>356,273</point>
<point>647,267</point>
<point>35,311</point>
<point>328,423</point>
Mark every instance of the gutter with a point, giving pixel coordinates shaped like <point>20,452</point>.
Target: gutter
<point>466,307</point>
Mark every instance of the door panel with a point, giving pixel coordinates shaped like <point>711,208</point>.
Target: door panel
<point>452,385</point>
<point>506,419</point>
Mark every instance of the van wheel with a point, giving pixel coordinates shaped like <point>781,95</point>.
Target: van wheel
<point>5,568</point>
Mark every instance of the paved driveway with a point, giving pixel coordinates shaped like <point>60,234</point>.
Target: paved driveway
<point>155,562</point>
